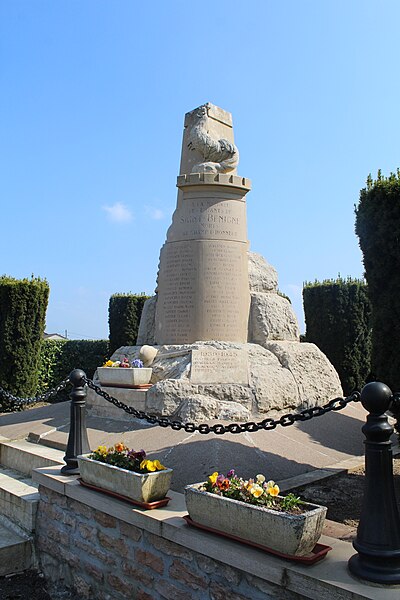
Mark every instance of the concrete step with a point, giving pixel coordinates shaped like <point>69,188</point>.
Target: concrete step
<point>16,550</point>
<point>18,498</point>
<point>23,456</point>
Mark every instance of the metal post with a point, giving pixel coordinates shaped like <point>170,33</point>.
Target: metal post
<point>378,533</point>
<point>78,442</point>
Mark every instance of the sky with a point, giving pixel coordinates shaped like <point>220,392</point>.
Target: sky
<point>92,103</point>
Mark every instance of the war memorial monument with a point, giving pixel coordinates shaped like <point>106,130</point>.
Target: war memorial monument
<point>222,342</point>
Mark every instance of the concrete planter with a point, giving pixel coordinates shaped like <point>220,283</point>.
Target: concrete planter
<point>147,487</point>
<point>291,534</point>
<point>120,376</point>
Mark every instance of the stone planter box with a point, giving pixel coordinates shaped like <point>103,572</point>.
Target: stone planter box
<point>290,534</point>
<point>123,377</point>
<point>147,487</point>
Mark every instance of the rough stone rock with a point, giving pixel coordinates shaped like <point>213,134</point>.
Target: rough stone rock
<point>228,392</point>
<point>203,408</point>
<point>147,322</point>
<point>262,276</point>
<point>274,387</point>
<point>172,362</point>
<point>283,376</point>
<point>271,318</point>
<point>314,376</point>
<point>166,397</point>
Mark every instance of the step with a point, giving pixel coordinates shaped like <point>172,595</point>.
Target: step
<point>23,456</point>
<point>19,498</point>
<point>16,551</point>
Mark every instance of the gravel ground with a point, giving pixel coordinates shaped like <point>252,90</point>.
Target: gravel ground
<point>343,494</point>
<point>25,586</point>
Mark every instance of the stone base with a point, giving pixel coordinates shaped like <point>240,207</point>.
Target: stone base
<point>97,406</point>
<point>282,376</point>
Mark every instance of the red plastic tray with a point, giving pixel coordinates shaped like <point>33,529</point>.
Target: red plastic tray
<point>143,386</point>
<point>318,553</point>
<point>146,505</point>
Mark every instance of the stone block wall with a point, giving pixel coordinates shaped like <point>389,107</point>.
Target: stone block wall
<point>100,557</point>
<point>93,546</point>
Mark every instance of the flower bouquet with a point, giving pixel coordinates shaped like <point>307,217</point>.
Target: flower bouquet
<point>125,472</point>
<point>253,511</point>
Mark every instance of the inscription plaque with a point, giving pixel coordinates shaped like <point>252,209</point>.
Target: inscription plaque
<point>210,365</point>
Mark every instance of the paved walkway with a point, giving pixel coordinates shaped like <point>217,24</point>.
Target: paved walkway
<point>321,443</point>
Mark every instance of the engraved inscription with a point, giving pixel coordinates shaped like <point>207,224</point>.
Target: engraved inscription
<point>224,276</point>
<point>210,365</point>
<point>203,216</point>
<point>203,292</point>
<point>178,283</point>
<point>207,218</point>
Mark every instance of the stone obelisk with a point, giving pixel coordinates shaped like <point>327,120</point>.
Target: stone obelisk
<point>203,289</point>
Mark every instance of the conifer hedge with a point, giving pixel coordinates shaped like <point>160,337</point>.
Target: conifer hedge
<point>378,230</point>
<point>23,304</point>
<point>59,357</point>
<point>338,321</point>
<point>124,312</point>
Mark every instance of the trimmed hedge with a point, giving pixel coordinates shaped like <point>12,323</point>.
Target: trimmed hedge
<point>377,227</point>
<point>124,312</point>
<point>338,321</point>
<point>23,304</point>
<point>58,358</point>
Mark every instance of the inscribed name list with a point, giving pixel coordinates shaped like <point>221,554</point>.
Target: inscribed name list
<point>204,285</point>
<point>210,365</point>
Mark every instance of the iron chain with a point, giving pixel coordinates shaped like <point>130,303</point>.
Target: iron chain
<point>19,402</point>
<point>219,428</point>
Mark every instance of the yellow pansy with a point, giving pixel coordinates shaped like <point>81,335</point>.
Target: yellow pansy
<point>256,490</point>
<point>260,478</point>
<point>272,488</point>
<point>213,478</point>
<point>101,450</point>
<point>158,465</point>
<point>148,464</point>
<point>109,363</point>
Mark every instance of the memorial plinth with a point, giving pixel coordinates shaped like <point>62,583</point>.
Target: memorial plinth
<point>203,291</point>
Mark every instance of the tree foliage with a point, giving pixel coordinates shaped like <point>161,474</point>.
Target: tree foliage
<point>338,321</point>
<point>378,230</point>
<point>124,312</point>
<point>23,304</point>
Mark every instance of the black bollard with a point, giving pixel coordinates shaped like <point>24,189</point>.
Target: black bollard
<point>78,442</point>
<point>378,533</point>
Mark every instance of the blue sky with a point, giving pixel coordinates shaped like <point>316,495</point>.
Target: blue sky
<point>93,96</point>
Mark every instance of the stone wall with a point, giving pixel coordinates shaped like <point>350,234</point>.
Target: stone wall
<point>98,547</point>
<point>98,556</point>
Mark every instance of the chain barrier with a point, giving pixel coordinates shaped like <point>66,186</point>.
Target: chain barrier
<point>19,402</point>
<point>219,429</point>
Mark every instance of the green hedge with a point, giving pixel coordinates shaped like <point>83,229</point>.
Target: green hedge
<point>338,321</point>
<point>58,358</point>
<point>23,305</point>
<point>124,312</point>
<point>377,227</point>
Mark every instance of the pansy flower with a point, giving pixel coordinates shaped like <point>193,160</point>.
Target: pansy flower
<point>213,478</point>
<point>272,488</point>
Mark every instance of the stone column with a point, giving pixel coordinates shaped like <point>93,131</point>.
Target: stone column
<point>203,289</point>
